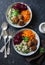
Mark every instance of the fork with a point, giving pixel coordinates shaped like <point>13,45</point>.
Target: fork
<point>11,34</point>
<point>5,35</point>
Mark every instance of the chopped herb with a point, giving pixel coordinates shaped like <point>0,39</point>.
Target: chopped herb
<point>42,50</point>
<point>26,39</point>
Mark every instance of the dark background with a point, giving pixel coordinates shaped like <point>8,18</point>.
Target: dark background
<point>38,11</point>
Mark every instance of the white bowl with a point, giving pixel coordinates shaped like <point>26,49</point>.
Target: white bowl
<point>30,53</point>
<point>42,27</point>
<point>15,25</point>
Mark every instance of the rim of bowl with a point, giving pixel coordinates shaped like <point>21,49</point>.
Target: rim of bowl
<point>30,53</point>
<point>14,25</point>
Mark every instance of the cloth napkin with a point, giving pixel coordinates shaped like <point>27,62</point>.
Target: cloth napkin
<point>38,57</point>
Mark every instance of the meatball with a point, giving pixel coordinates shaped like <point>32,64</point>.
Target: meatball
<point>29,43</point>
<point>21,22</point>
<point>14,19</point>
<point>20,17</point>
<point>34,41</point>
<point>33,48</point>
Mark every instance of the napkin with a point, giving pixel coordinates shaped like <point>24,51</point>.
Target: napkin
<point>38,57</point>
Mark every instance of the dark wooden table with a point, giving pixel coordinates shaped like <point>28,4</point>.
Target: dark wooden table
<point>38,11</point>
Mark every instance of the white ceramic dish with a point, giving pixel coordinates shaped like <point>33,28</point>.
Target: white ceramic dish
<point>42,27</point>
<point>31,53</point>
<point>15,25</point>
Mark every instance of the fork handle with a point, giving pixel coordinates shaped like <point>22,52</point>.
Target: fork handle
<point>5,53</point>
<point>8,49</point>
<point>3,48</point>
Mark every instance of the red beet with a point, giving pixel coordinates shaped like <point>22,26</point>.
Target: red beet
<point>19,6</point>
<point>18,38</point>
<point>16,6</point>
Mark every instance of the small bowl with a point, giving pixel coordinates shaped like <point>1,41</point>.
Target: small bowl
<point>14,25</point>
<point>42,27</point>
<point>30,53</point>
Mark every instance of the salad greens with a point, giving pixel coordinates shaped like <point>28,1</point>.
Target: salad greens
<point>14,12</point>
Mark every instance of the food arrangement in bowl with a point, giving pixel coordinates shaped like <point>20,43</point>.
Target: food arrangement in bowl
<point>19,14</point>
<point>26,42</point>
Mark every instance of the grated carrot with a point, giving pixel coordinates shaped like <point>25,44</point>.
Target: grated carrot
<point>29,34</point>
<point>26,15</point>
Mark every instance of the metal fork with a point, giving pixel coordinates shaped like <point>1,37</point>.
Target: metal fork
<point>5,35</point>
<point>11,34</point>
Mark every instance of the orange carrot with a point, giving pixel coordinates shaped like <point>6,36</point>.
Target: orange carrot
<point>26,15</point>
<point>29,34</point>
